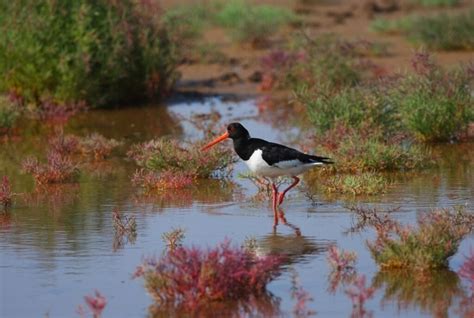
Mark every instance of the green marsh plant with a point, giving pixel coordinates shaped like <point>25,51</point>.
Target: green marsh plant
<point>435,104</point>
<point>427,247</point>
<point>170,155</point>
<point>393,26</point>
<point>9,113</point>
<point>366,150</point>
<point>436,3</point>
<point>252,23</point>
<point>366,183</point>
<point>354,107</point>
<point>428,104</point>
<point>98,52</point>
<point>442,31</point>
<point>167,164</point>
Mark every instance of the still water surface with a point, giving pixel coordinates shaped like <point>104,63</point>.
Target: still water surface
<point>58,246</point>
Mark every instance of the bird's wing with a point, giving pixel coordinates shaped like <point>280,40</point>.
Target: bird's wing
<point>285,157</point>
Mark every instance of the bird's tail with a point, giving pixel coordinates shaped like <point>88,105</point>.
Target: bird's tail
<point>323,160</point>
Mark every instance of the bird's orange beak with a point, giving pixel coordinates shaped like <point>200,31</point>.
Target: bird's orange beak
<point>215,141</point>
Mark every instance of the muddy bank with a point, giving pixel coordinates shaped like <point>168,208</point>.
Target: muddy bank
<point>237,67</point>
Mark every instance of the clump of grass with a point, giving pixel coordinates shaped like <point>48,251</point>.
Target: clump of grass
<point>174,238</point>
<point>169,155</point>
<point>190,278</point>
<point>161,181</point>
<point>393,155</point>
<point>57,169</point>
<point>434,104</point>
<point>252,23</point>
<point>207,53</point>
<point>436,3</point>
<point>367,183</point>
<point>430,104</point>
<point>98,52</point>
<point>63,144</point>
<point>437,238</point>
<point>6,193</point>
<point>186,22</point>
<point>185,25</point>
<point>334,62</point>
<point>94,145</point>
<point>97,146</point>
<point>365,150</point>
<point>9,113</point>
<point>396,26</point>
<point>324,61</point>
<point>353,107</point>
<point>245,22</point>
<point>168,164</point>
<point>442,31</point>
<point>278,68</point>
<point>57,114</point>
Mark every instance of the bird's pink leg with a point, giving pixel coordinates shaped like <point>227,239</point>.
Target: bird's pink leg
<point>274,197</point>
<point>281,195</point>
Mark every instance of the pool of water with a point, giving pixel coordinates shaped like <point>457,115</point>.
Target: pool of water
<point>59,245</point>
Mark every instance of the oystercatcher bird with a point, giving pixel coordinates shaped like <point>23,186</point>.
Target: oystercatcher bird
<point>268,159</point>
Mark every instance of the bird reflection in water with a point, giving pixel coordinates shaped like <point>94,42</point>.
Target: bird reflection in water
<point>293,247</point>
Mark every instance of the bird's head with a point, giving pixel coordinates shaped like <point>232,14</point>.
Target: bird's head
<point>234,131</point>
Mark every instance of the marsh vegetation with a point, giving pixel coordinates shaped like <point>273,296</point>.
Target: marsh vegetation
<point>105,105</point>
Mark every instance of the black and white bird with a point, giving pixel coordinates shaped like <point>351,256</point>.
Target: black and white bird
<point>268,159</point>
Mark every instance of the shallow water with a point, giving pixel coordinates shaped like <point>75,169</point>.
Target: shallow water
<point>58,246</point>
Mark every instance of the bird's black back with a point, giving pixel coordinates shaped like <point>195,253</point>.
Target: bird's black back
<point>272,152</point>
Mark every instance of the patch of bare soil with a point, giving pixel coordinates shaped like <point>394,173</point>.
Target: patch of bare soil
<point>237,71</point>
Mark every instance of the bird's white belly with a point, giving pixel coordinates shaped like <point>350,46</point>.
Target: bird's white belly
<point>260,167</point>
